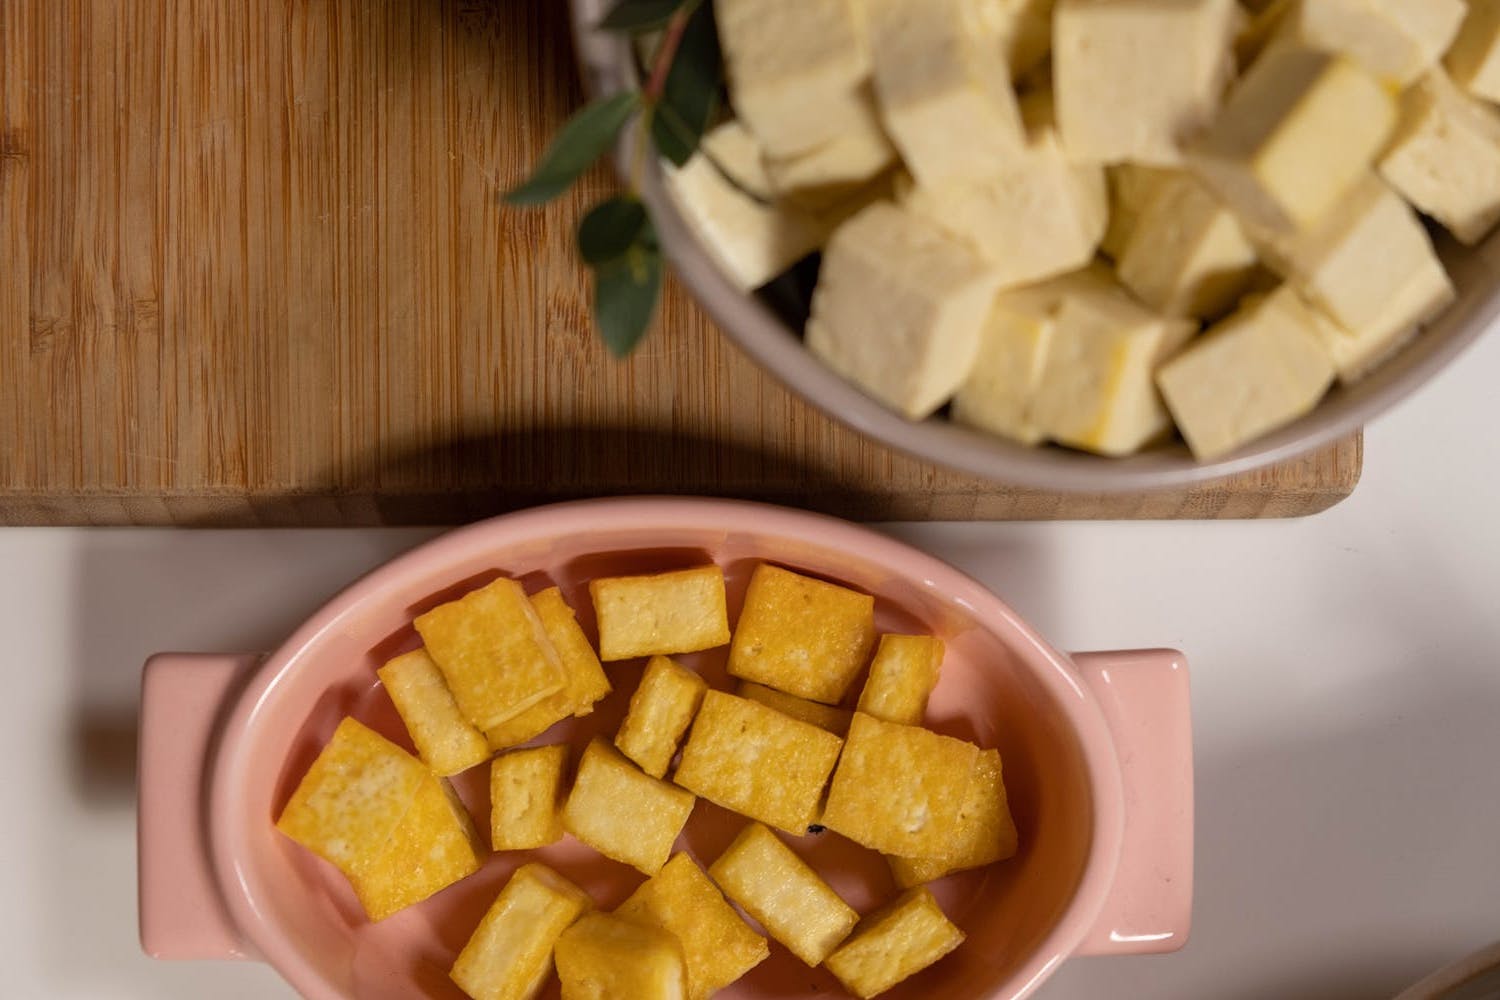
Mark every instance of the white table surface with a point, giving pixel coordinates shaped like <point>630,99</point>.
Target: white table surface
<point>1346,673</point>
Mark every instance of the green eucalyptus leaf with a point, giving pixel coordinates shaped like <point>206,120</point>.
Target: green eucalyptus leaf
<point>611,228</point>
<point>639,15</point>
<point>586,136</point>
<point>626,290</point>
<point>690,94</point>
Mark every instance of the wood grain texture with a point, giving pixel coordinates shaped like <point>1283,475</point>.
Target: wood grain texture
<point>254,270</point>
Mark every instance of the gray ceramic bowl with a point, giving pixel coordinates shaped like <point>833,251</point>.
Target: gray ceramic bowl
<point>759,329</point>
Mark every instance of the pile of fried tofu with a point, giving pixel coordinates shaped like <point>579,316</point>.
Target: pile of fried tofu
<point>1092,222</point>
<point>796,748</point>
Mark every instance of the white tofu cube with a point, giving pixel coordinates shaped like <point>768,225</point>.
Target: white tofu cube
<point>1253,372</point>
<point>1188,255</point>
<point>899,308</point>
<point>1393,40</point>
<point>1133,77</point>
<point>1022,29</point>
<point>823,178</point>
<point>1130,189</point>
<point>1474,60</point>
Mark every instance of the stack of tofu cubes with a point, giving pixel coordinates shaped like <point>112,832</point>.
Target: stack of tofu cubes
<point>1087,221</point>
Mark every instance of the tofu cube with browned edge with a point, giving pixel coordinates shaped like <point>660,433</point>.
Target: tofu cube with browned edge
<point>661,709</point>
<point>784,894</point>
<point>660,614</point>
<point>718,947</point>
<point>1188,255</point>
<point>509,955</point>
<point>829,717</point>
<point>1394,40</point>
<point>1474,59</point>
<point>584,680</point>
<point>604,957</point>
<point>433,847</point>
<point>899,789</point>
<point>902,676</point>
<point>493,651</point>
<point>801,635</point>
<point>622,812</point>
<point>986,831</point>
<point>757,762</point>
<point>444,739</point>
<point>526,796</point>
<point>894,943</point>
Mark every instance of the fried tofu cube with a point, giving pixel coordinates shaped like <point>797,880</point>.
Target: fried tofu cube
<point>986,832</point>
<point>835,720</point>
<point>757,762</point>
<point>661,614</point>
<point>493,651</point>
<point>802,636</point>
<point>434,846</point>
<point>1474,60</point>
<point>899,789</point>
<point>902,676</point>
<point>718,946</point>
<point>604,957</point>
<point>1188,255</point>
<point>443,737</point>
<point>526,795</point>
<point>784,894</point>
<point>1394,40</point>
<point>509,956</point>
<point>661,710</point>
<point>893,943</point>
<point>622,812</point>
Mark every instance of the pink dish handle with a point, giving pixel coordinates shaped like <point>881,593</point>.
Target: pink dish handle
<point>1144,696</point>
<point>182,912</point>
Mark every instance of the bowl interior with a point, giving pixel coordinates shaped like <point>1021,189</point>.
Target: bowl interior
<point>999,687</point>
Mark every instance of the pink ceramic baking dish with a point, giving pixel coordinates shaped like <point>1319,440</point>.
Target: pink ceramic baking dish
<point>1096,746</point>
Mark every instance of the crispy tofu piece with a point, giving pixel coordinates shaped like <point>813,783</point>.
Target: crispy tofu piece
<point>604,957</point>
<point>622,812</point>
<point>493,651</point>
<point>509,956</point>
<point>899,789</point>
<point>434,846</point>
<point>718,946</point>
<point>660,614</point>
<point>986,832</point>
<point>1393,40</point>
<point>802,636</point>
<point>757,762</point>
<point>902,676</point>
<point>1188,255</point>
<point>1474,60</point>
<point>893,943</point>
<point>1131,186</point>
<point>783,893</point>
<point>661,710</point>
<point>526,796</point>
<point>443,737</point>
<point>835,720</point>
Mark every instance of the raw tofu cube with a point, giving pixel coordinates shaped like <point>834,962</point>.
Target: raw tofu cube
<point>1133,77</point>
<point>986,832</point>
<point>803,636</point>
<point>526,796</point>
<point>718,946</point>
<point>433,847</point>
<point>603,957</point>
<point>493,651</point>
<point>757,762</point>
<point>1188,255</point>
<point>621,812</point>
<point>898,308</point>
<point>1130,189</point>
<point>1394,40</point>
<point>824,178</point>
<point>835,720</point>
<point>1021,28</point>
<point>443,737</point>
<point>1258,370</point>
<point>509,956</point>
<point>894,943</point>
<point>1295,135</point>
<point>661,710</point>
<point>1097,391</point>
<point>1445,158</point>
<point>899,789</point>
<point>902,676</point>
<point>660,614</point>
<point>783,893</point>
<point>1474,60</point>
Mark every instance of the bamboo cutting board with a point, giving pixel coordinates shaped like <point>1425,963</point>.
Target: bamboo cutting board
<point>254,270</point>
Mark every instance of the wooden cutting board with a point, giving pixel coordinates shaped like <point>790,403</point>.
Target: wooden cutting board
<point>254,270</point>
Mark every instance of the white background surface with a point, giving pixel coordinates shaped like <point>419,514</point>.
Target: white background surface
<point>1346,674</point>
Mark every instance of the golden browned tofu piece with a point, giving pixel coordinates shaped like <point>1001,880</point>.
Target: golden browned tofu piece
<point>661,614</point>
<point>898,789</point>
<point>757,762</point>
<point>622,812</point>
<point>584,681</point>
<point>661,710</point>
<point>986,831</point>
<point>432,848</point>
<point>509,956</point>
<point>494,652</point>
<point>835,720</point>
<point>902,676</point>
<point>801,635</point>
<point>895,942</point>
<point>783,893</point>
<point>443,737</point>
<point>602,957</point>
<point>717,945</point>
<point>526,794</point>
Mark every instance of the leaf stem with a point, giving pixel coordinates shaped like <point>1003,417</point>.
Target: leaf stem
<point>666,52</point>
